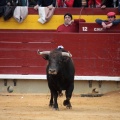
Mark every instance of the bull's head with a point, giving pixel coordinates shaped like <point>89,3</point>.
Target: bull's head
<point>55,59</point>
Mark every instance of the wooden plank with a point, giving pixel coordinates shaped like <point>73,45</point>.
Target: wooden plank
<point>18,54</point>
<point>23,62</point>
<point>97,71</point>
<point>34,46</point>
<point>22,70</point>
<point>56,37</point>
<point>97,63</point>
<point>26,37</point>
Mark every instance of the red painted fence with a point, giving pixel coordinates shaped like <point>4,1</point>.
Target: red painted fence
<point>96,28</point>
<point>93,53</point>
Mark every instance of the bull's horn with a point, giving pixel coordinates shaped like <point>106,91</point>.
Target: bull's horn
<point>43,52</point>
<point>66,54</point>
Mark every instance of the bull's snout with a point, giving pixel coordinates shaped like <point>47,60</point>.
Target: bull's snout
<point>52,71</point>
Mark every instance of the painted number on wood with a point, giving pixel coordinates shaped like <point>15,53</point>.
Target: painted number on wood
<point>84,29</point>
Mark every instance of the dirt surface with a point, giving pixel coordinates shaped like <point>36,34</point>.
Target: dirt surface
<point>35,107</point>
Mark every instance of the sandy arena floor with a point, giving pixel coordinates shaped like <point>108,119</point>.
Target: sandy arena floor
<point>35,107</point>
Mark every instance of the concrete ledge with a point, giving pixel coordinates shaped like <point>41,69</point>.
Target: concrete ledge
<point>43,77</point>
<point>98,78</point>
<point>18,76</point>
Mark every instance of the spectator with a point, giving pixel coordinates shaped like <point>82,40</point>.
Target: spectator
<point>32,3</point>
<point>2,2</point>
<point>80,3</point>
<point>77,3</point>
<point>84,3</point>
<point>18,2</point>
<point>110,22</point>
<point>45,3</point>
<point>23,2</point>
<point>65,3</point>
<point>69,25</point>
<point>115,3</point>
<point>119,5</point>
<point>5,2</point>
<point>94,3</point>
<point>110,3</point>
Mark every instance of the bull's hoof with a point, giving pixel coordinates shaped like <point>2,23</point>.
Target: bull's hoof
<point>65,102</point>
<point>57,109</point>
<point>69,106</point>
<point>50,105</point>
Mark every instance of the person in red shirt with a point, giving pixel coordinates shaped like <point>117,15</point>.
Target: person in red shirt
<point>65,3</point>
<point>69,25</point>
<point>94,3</point>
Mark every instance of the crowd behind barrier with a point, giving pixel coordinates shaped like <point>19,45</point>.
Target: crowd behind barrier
<point>19,8</point>
<point>65,3</point>
<point>79,3</point>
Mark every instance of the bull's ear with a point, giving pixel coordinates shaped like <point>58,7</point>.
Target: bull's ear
<point>46,57</point>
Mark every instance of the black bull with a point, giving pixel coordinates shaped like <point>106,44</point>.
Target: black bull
<point>60,75</point>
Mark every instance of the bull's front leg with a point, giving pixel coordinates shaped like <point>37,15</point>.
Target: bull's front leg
<point>55,95</point>
<point>51,99</point>
<point>68,94</point>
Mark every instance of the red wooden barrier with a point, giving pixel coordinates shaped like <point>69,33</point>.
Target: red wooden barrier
<point>96,28</point>
<point>93,53</point>
<point>77,11</point>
